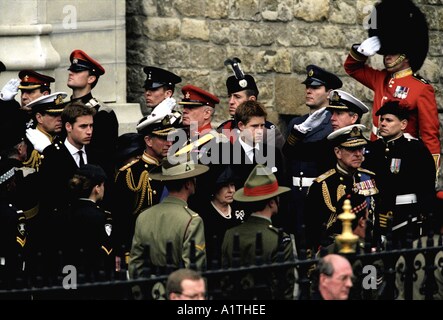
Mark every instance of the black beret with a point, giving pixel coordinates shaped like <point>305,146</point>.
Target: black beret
<point>393,107</point>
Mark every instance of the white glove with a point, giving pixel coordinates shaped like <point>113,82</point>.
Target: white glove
<point>370,46</point>
<point>9,90</point>
<point>313,121</point>
<point>38,139</point>
<point>165,106</point>
<point>160,111</point>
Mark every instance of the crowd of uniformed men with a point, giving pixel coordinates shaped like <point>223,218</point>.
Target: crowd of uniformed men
<point>68,182</point>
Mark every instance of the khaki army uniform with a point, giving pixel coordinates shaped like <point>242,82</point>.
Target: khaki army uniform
<point>173,221</point>
<point>248,233</point>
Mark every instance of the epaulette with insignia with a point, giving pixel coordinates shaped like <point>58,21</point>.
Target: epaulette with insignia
<point>325,175</point>
<point>420,78</point>
<point>191,213</point>
<point>126,166</point>
<point>93,102</point>
<point>366,171</point>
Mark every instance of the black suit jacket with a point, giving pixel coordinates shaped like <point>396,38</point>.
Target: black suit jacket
<point>58,167</point>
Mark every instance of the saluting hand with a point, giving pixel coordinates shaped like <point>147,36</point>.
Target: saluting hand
<point>313,121</point>
<point>38,139</point>
<point>9,90</point>
<point>370,46</point>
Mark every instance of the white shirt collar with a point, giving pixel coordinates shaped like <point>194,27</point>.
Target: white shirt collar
<point>73,150</point>
<point>249,150</point>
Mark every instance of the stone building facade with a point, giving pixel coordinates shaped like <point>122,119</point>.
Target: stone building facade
<point>275,40</point>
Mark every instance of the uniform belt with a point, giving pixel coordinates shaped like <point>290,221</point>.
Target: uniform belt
<point>406,199</point>
<point>404,223</point>
<point>302,181</point>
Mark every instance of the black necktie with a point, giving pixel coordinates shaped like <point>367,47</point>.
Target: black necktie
<point>82,162</point>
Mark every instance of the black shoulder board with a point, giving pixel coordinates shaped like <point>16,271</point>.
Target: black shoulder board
<point>420,78</point>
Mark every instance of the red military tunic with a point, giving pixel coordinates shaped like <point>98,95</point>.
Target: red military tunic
<point>404,86</point>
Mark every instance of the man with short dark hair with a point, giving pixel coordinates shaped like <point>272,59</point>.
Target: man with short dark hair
<point>319,83</point>
<point>398,160</point>
<point>60,162</point>
<point>84,73</point>
<point>159,85</point>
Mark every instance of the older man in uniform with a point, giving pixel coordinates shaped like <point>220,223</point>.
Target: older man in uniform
<point>261,193</point>
<point>134,190</point>
<point>321,208</point>
<point>170,221</point>
<point>319,84</point>
<point>84,73</point>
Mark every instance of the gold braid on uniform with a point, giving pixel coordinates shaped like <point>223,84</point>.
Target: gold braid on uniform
<point>340,191</point>
<point>34,160</point>
<point>143,186</point>
<point>327,198</point>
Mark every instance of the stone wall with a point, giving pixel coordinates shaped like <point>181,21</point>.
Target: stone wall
<point>275,39</point>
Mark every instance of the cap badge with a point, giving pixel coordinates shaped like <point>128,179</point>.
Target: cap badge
<point>26,78</point>
<point>58,100</point>
<point>108,229</point>
<point>21,228</point>
<point>188,95</point>
<point>75,61</point>
<point>310,73</point>
<point>355,132</point>
<point>243,83</point>
<point>149,75</point>
<point>335,96</point>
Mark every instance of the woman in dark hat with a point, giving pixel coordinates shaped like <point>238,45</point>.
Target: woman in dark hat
<point>130,146</point>
<point>220,212</point>
<point>90,225</point>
